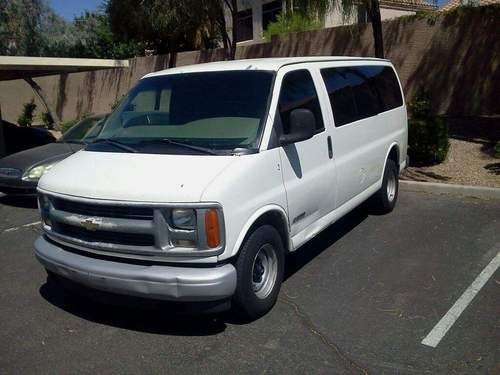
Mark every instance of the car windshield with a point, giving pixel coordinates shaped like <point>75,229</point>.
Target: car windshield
<point>190,113</point>
<point>84,131</point>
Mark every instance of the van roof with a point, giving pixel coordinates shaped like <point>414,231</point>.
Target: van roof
<point>272,63</point>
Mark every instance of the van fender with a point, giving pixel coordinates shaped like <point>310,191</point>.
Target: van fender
<point>387,157</point>
<point>253,218</point>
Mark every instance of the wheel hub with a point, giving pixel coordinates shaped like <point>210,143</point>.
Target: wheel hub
<point>264,271</point>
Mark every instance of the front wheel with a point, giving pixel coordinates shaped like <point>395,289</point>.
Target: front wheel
<point>385,199</point>
<point>259,268</point>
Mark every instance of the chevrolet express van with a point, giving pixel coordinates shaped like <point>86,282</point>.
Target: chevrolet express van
<point>206,176</point>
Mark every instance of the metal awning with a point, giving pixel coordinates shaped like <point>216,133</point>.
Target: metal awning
<point>27,68</point>
<point>21,67</point>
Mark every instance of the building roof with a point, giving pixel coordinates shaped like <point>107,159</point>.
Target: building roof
<point>415,5</point>
<point>452,4</point>
<point>270,63</point>
<point>17,67</point>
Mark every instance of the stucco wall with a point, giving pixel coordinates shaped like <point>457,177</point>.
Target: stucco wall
<point>390,13</point>
<point>457,58</point>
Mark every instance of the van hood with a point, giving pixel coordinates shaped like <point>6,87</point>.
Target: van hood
<point>135,177</point>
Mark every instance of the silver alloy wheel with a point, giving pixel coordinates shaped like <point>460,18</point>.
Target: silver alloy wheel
<point>264,271</point>
<point>391,187</point>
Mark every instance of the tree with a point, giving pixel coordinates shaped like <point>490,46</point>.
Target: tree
<point>20,23</point>
<point>318,8</point>
<point>163,26</point>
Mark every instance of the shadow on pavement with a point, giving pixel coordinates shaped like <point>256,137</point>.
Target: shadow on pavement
<point>297,260</point>
<point>20,201</point>
<point>149,318</point>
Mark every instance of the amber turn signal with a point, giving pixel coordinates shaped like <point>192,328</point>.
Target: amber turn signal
<point>212,229</point>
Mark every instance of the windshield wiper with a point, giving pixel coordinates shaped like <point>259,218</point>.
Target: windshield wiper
<point>115,143</point>
<point>72,141</point>
<point>185,145</point>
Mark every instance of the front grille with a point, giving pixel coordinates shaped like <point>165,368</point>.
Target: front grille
<point>10,172</point>
<point>119,238</point>
<point>103,210</point>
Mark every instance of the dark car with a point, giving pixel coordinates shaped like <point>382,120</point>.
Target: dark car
<point>20,172</point>
<point>19,138</point>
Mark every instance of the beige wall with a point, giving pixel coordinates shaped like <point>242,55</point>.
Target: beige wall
<point>457,64</point>
<point>390,13</point>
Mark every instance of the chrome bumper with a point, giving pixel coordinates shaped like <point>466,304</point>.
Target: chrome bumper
<point>150,281</point>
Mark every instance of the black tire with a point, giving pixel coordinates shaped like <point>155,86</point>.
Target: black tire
<point>248,303</point>
<point>385,199</point>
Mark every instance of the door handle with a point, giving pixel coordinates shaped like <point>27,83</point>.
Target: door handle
<point>330,148</point>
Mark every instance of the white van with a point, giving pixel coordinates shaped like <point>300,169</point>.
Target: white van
<point>206,176</point>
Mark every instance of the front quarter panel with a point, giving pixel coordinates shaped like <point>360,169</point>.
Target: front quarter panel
<point>247,188</point>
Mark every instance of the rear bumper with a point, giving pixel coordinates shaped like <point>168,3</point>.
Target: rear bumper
<point>148,281</point>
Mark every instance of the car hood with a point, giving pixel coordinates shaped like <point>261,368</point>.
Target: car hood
<point>135,177</point>
<point>26,159</point>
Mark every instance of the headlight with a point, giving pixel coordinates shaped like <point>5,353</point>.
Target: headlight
<point>35,173</point>
<point>184,218</point>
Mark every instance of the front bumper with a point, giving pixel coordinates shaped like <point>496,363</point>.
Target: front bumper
<point>17,186</point>
<point>148,281</point>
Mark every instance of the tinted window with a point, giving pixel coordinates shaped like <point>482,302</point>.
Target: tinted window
<point>351,94</point>
<point>359,92</point>
<point>388,87</point>
<point>298,91</point>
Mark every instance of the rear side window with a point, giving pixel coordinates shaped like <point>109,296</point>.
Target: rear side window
<point>387,86</point>
<point>298,91</point>
<point>362,91</point>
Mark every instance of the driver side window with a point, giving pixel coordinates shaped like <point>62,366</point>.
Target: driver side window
<point>298,91</point>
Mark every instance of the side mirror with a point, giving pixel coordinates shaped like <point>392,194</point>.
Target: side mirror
<point>302,126</point>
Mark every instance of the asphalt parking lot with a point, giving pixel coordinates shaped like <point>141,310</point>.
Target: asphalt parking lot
<point>358,299</point>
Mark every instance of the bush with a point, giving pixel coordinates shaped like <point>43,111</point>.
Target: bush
<point>47,120</point>
<point>295,22</point>
<point>427,134</point>
<point>497,150</point>
<point>66,125</point>
<point>26,117</point>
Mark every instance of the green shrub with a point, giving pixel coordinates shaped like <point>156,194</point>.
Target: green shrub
<point>294,22</point>
<point>497,150</point>
<point>66,125</point>
<point>26,117</point>
<point>427,133</point>
<point>47,120</point>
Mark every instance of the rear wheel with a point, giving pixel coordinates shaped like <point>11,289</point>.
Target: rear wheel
<point>385,199</point>
<point>260,268</point>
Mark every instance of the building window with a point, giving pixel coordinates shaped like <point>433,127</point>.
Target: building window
<point>244,24</point>
<point>270,12</point>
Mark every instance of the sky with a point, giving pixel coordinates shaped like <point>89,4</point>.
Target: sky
<point>68,9</point>
<point>71,8</point>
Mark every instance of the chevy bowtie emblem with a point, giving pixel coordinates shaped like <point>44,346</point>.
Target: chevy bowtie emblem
<point>90,224</point>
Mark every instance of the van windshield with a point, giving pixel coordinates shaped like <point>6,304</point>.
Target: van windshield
<point>190,113</point>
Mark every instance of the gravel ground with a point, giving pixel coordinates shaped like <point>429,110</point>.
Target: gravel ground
<point>467,163</point>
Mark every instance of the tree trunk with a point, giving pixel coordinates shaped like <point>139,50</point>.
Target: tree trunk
<point>172,56</point>
<point>39,93</point>
<point>3,150</point>
<point>376,21</point>
<point>234,17</point>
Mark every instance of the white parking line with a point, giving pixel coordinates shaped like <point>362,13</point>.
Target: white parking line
<point>22,226</point>
<point>447,321</point>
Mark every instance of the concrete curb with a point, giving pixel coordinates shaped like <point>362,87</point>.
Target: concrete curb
<point>465,190</point>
